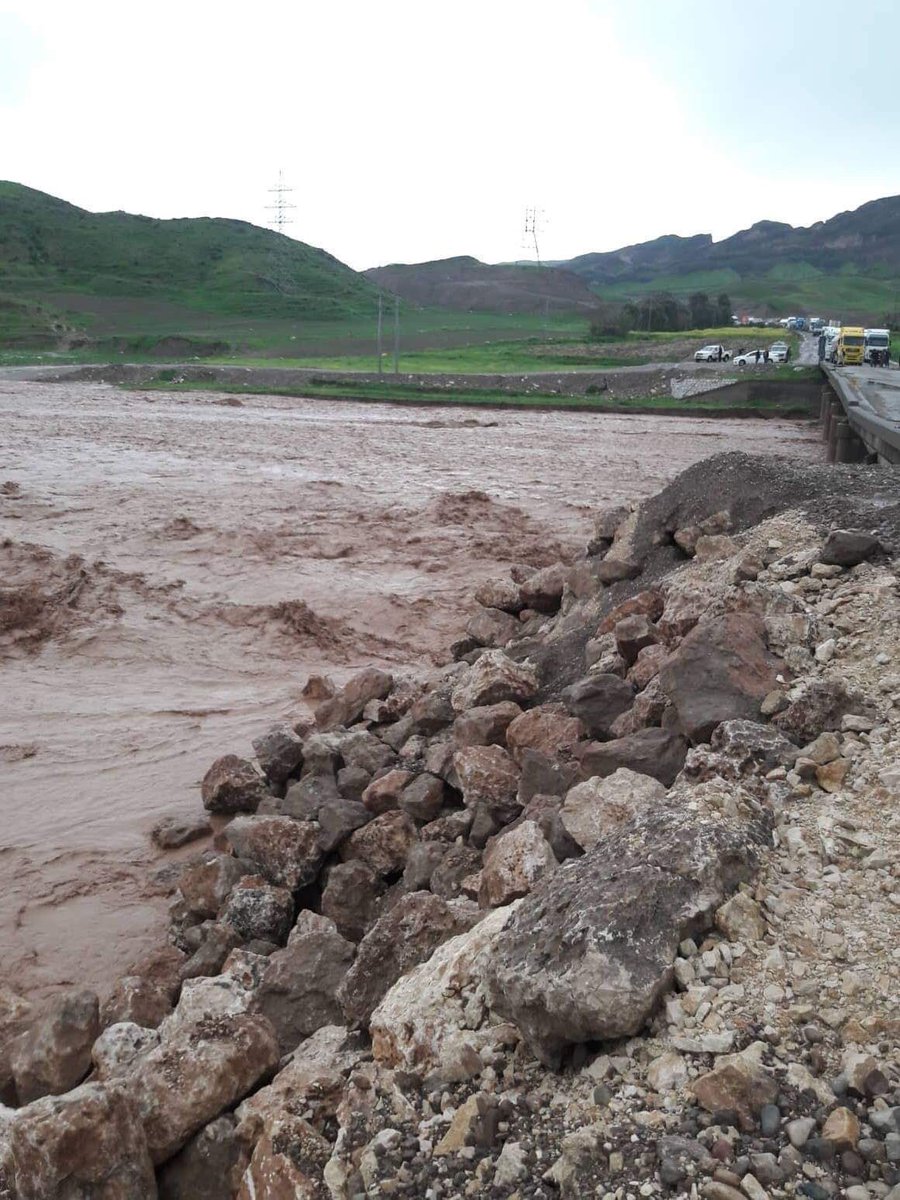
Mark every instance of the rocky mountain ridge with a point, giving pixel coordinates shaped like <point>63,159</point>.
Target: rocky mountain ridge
<point>608,905</point>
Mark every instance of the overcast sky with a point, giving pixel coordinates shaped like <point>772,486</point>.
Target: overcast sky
<point>414,130</point>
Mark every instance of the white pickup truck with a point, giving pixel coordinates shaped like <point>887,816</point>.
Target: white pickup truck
<point>712,354</point>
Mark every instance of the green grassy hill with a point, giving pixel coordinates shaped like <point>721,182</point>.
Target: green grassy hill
<point>92,267</point>
<point>847,267</point>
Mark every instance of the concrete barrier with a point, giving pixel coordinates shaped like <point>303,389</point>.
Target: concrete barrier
<point>852,431</point>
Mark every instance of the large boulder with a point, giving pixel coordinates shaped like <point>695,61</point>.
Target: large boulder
<point>55,1054</point>
<point>209,1167</point>
<point>436,1017</point>
<point>283,1124</point>
<point>346,706</point>
<point>849,547</point>
<point>543,590</point>
<point>590,951</point>
<point>592,808</point>
<point>548,728</point>
<point>286,852</point>
<point>486,725</point>
<point>489,779</point>
<point>255,909</point>
<point>383,844</point>
<point>403,937</point>
<point>198,1072</point>
<point>513,863</point>
<point>721,672</point>
<point>232,785</point>
<point>492,627</point>
<point>86,1145</point>
<point>350,898</point>
<point>206,884</point>
<point>299,987</point>
<point>597,700</point>
<point>656,752</point>
<point>279,752</point>
<point>383,794</point>
<point>493,679</point>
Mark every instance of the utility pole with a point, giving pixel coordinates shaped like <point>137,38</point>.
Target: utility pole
<point>533,220</point>
<point>280,207</point>
<point>396,335</point>
<point>378,335</point>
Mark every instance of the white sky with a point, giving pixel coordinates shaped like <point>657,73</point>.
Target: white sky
<point>415,130</point>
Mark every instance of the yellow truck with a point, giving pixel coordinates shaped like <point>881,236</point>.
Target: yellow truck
<point>851,346</point>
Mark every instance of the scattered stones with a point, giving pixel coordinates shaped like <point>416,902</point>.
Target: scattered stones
<point>493,679</point>
<point>738,1083</point>
<point>176,830</point>
<point>849,547</point>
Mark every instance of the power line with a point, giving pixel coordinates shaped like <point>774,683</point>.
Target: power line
<point>280,207</point>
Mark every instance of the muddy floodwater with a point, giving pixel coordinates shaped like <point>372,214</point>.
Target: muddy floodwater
<point>175,565</point>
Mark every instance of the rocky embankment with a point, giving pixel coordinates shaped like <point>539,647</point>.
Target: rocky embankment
<point>609,906</point>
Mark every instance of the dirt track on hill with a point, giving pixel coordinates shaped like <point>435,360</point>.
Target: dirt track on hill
<point>175,565</point>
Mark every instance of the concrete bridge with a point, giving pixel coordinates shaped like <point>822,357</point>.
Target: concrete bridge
<point>860,414</point>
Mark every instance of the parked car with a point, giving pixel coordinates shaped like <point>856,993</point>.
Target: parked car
<point>747,359</point>
<point>779,352</point>
<point>712,354</point>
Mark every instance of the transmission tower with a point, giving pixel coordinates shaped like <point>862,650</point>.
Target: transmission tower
<point>534,220</point>
<point>280,207</point>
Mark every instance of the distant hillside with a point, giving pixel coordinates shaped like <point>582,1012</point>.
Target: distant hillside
<point>64,257</point>
<point>851,262</point>
<point>467,285</point>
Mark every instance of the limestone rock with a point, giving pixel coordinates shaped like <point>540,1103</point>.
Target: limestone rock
<point>633,634</point>
<point>286,852</point>
<point>86,1145</point>
<point>739,1083</point>
<point>820,707</point>
<point>287,1161</point>
<point>513,863</point>
<point>753,747</point>
<point>597,700</point>
<point>594,807</point>
<point>721,672</point>
<point>590,951</point>
<point>842,1129</point>
<point>436,1017</point>
<point>740,919</point>
<point>383,844</point>
<point>493,679</point>
<point>402,938</point>
<point>232,785</point>
<point>197,1073</point>
<point>55,1054</point>
<point>456,865</point>
<point>118,1048</point>
<point>300,983</point>
<point>659,753</point>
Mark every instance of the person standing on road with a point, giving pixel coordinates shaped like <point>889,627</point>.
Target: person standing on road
<point>757,358</point>
<point>719,354</point>
<point>821,347</point>
<point>765,357</point>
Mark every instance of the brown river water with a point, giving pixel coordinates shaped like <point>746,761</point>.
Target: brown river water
<point>183,562</point>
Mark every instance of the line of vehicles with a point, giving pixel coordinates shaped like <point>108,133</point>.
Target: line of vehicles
<point>852,345</point>
<point>778,352</point>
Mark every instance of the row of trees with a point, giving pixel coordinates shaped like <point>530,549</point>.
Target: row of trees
<point>661,312</point>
